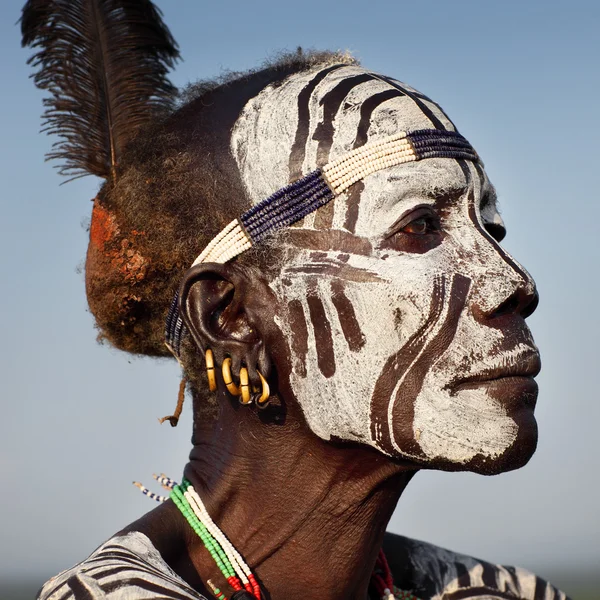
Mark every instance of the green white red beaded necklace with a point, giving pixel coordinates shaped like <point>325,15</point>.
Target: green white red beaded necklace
<point>228,559</point>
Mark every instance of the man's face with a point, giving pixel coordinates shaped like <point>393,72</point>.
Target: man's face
<point>403,317</point>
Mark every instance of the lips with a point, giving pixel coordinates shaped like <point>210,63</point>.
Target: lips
<point>527,366</point>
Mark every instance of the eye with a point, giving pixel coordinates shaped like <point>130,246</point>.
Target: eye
<point>423,225</point>
<point>417,231</point>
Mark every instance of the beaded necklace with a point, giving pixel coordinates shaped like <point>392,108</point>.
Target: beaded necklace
<point>228,559</point>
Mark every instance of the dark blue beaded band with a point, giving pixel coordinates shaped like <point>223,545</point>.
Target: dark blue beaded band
<point>302,197</point>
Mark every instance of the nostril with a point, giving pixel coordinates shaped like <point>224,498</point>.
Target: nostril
<point>518,303</point>
<point>509,306</point>
<point>530,307</point>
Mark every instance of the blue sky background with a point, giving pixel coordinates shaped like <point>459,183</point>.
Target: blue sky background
<point>79,420</point>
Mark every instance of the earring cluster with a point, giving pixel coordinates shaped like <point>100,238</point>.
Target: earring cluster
<point>244,391</point>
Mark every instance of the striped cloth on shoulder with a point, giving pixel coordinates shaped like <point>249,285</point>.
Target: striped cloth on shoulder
<point>126,567</point>
<point>435,573</point>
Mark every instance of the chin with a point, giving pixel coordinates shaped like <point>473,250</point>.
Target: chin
<point>486,428</point>
<point>515,456</point>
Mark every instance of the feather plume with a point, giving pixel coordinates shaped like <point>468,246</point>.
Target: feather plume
<point>105,65</point>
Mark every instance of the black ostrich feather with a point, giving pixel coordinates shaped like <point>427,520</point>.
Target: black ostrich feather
<point>105,65</point>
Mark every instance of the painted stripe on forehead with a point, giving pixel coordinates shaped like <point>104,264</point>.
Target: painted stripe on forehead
<point>325,132</point>
<point>366,112</point>
<point>541,590</point>
<point>488,576</point>
<point>298,151</point>
<point>324,217</point>
<point>331,103</point>
<point>430,101</point>
<point>415,97</point>
<point>367,109</point>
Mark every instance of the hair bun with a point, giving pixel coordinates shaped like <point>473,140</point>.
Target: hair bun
<point>117,286</point>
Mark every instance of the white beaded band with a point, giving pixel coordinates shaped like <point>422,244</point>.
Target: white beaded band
<point>357,164</point>
<point>228,244</point>
<point>237,562</point>
<point>300,198</point>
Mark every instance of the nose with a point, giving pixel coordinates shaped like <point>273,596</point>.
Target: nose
<point>502,286</point>
<point>522,302</point>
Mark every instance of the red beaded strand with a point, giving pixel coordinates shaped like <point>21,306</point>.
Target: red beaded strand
<point>383,581</point>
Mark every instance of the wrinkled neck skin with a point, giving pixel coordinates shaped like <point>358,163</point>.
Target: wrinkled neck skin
<point>308,516</point>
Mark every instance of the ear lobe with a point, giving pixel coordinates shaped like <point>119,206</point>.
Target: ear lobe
<point>217,306</point>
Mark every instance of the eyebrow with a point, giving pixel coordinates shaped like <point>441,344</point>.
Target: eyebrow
<point>433,191</point>
<point>450,192</point>
<point>488,198</point>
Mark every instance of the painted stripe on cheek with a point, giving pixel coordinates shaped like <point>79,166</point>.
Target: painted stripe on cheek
<point>334,269</point>
<point>299,336</point>
<point>322,333</point>
<point>403,410</point>
<point>335,240</point>
<point>350,326</point>
<point>396,366</point>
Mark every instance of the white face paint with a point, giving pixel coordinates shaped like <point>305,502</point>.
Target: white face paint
<point>383,324</point>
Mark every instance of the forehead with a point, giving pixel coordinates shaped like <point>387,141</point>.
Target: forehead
<point>442,183</point>
<point>313,117</point>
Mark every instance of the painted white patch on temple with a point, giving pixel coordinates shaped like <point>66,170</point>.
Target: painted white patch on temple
<point>392,297</point>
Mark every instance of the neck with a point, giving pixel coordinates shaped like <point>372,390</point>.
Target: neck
<point>307,515</point>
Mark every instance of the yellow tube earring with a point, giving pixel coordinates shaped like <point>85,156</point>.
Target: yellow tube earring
<point>243,390</point>
<point>233,389</point>
<point>245,398</point>
<point>263,399</point>
<point>210,370</point>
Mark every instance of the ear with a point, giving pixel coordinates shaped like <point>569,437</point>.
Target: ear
<point>223,307</point>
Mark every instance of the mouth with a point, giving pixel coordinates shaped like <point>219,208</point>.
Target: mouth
<point>520,373</point>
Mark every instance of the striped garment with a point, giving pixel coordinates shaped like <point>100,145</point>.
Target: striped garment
<point>129,567</point>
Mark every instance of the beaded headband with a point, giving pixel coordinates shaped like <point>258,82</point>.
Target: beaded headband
<point>300,198</point>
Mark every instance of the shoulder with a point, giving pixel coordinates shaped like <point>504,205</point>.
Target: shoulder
<point>127,567</point>
<point>435,573</point>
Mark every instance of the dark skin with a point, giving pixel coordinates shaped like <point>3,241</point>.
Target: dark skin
<point>308,516</point>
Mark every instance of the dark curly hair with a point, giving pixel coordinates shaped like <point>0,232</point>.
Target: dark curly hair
<point>178,187</point>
